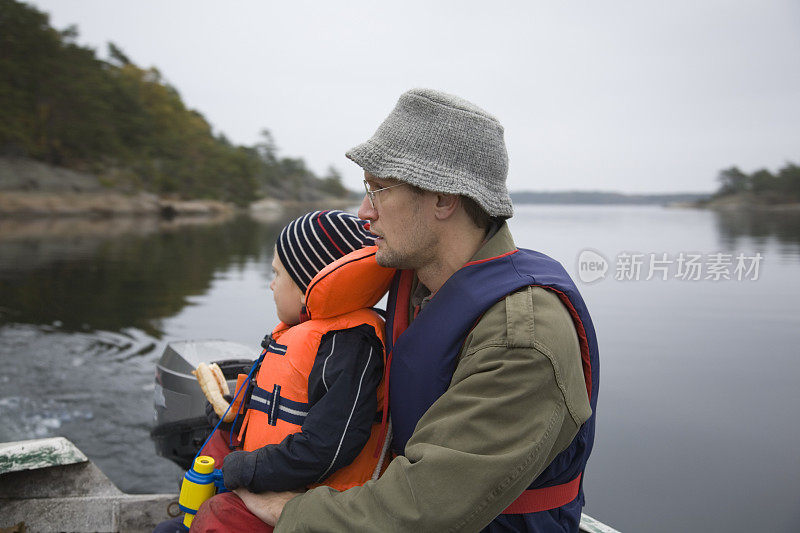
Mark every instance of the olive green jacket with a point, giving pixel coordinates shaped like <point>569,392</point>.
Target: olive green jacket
<point>516,400</point>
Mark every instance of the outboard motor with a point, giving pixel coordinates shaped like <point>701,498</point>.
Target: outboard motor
<point>181,425</point>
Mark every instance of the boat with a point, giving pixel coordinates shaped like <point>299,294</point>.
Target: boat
<point>50,485</point>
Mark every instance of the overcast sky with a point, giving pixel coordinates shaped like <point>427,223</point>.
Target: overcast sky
<point>632,96</point>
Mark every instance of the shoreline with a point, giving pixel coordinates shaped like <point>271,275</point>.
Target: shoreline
<point>107,204</point>
<point>31,190</point>
<point>747,202</point>
<point>29,205</point>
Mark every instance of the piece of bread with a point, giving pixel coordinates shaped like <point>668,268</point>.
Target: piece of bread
<point>213,384</point>
<point>220,377</point>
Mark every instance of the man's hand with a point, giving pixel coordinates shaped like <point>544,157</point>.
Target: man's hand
<point>267,506</point>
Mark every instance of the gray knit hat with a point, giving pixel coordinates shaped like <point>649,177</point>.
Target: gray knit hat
<point>443,143</point>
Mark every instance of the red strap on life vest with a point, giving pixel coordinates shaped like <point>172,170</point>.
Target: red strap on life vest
<point>544,499</point>
<point>399,325</point>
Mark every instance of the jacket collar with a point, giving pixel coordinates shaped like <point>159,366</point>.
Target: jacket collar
<point>498,242</point>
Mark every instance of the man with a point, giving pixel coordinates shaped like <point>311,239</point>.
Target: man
<point>493,366</point>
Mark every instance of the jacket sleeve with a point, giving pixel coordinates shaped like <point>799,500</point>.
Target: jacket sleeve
<point>507,413</point>
<point>342,393</point>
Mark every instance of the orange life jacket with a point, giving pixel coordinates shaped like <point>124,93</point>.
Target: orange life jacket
<point>339,297</point>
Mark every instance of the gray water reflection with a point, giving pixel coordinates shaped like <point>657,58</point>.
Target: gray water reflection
<point>696,409</point>
<point>90,275</point>
<point>86,308</point>
<point>760,227</point>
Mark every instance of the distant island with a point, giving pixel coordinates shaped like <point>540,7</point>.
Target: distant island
<point>759,190</point>
<point>602,197</point>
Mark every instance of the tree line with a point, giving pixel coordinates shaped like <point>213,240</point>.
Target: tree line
<point>61,104</point>
<point>781,187</point>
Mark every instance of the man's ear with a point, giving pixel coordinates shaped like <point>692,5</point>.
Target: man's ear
<point>446,205</point>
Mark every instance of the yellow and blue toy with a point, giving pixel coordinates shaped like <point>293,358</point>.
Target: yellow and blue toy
<point>198,486</point>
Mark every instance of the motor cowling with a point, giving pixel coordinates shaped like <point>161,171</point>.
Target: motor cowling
<point>181,426</point>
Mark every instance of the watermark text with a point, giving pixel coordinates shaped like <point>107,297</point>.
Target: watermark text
<point>683,266</point>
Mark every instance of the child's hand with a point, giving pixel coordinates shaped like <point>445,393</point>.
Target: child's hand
<point>212,418</point>
<point>238,469</point>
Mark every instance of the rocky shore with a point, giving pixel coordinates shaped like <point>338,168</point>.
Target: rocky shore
<point>30,189</point>
<point>748,202</point>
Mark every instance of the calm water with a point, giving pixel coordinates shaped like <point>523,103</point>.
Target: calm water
<point>697,418</point>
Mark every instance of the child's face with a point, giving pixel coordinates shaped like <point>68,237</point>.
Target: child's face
<point>288,297</point>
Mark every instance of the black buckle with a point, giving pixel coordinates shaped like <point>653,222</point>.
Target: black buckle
<point>266,341</point>
<point>272,417</point>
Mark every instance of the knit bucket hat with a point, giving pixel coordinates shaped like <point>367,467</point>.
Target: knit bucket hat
<point>308,244</point>
<point>443,143</point>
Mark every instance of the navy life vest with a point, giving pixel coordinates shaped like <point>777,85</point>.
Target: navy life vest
<point>423,357</point>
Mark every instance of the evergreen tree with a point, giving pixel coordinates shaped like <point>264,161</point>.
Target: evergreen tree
<point>61,104</point>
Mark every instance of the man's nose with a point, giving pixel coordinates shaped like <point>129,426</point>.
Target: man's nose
<point>366,211</point>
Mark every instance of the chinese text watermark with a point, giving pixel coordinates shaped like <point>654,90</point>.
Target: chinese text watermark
<point>683,266</point>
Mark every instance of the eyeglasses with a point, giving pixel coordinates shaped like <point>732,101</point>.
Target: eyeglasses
<point>371,192</point>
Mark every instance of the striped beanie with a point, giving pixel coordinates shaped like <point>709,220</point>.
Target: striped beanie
<point>308,244</point>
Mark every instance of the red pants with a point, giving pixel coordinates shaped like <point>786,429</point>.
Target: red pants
<point>225,512</point>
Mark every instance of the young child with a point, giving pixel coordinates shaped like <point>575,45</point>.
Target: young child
<point>312,415</point>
